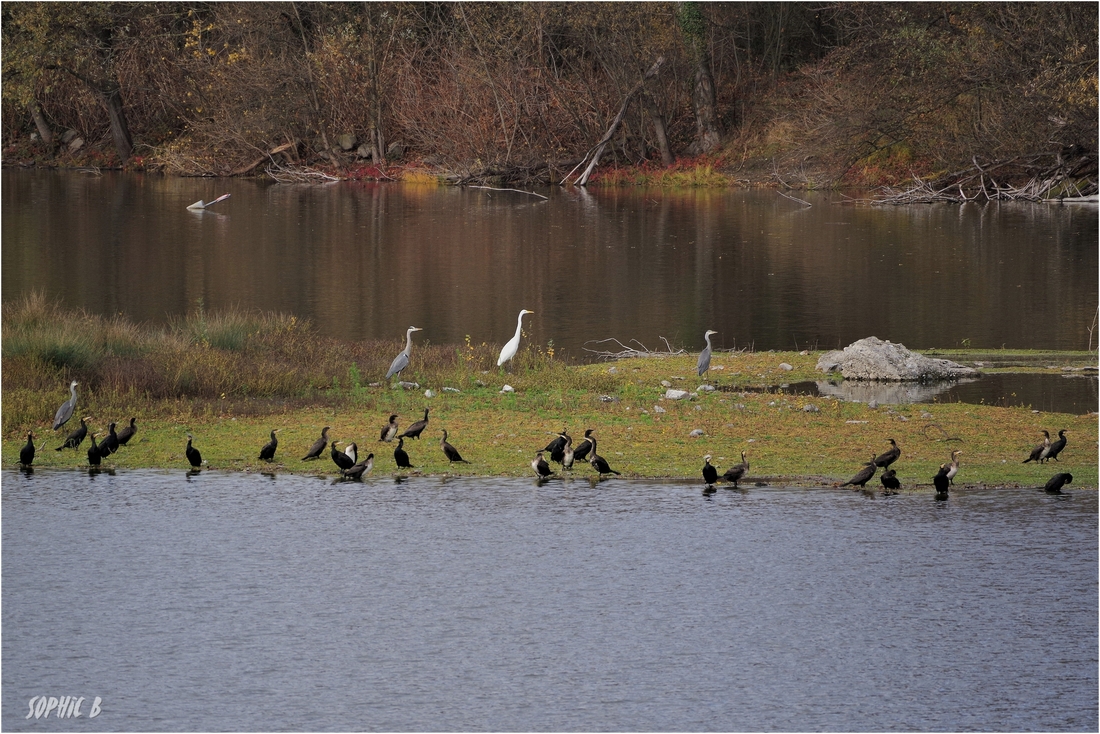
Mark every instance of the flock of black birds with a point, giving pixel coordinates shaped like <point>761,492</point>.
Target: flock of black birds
<point>560,450</point>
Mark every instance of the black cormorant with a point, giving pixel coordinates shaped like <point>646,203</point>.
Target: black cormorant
<point>74,439</point>
<point>26,454</point>
<point>580,453</point>
<point>194,458</point>
<point>400,456</point>
<point>941,482</point>
<point>710,474</point>
<point>94,458</point>
<point>109,445</point>
<point>389,431</point>
<point>1054,486</point>
<point>361,469</point>
<point>450,451</point>
<point>598,462</point>
<point>889,456</point>
<point>1039,452</point>
<point>863,475</point>
<point>567,455</point>
<point>1056,447</point>
<point>735,473</point>
<point>542,469</point>
<point>127,432</point>
<point>890,483</point>
<point>953,467</point>
<point>417,428</point>
<point>267,453</point>
<point>341,459</point>
<point>318,446</point>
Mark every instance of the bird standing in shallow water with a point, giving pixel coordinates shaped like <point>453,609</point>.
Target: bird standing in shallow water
<point>318,446</point>
<point>1039,452</point>
<point>512,346</point>
<point>450,451</point>
<point>863,475</point>
<point>267,453</point>
<point>401,456</point>
<point>26,454</point>
<point>953,467</point>
<point>342,460</point>
<point>389,431</point>
<point>1054,486</point>
<point>194,458</point>
<point>941,482</point>
<point>401,361</point>
<point>65,412</point>
<point>127,433</point>
<point>417,428</point>
<point>889,456</point>
<point>361,469</point>
<point>710,474</point>
<point>93,453</point>
<point>704,356</point>
<point>735,473</point>
<point>542,469</point>
<point>74,439</point>
<point>890,483</point>
<point>1056,447</point>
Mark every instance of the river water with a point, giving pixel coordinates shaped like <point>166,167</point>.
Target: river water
<point>225,601</point>
<point>366,261</point>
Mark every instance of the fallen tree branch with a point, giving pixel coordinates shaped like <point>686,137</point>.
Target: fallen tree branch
<point>518,191</point>
<point>626,352</point>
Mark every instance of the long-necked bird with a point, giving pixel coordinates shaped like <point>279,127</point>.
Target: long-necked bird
<point>127,432</point>
<point>400,456</point>
<point>361,469</point>
<point>417,428</point>
<point>194,458</point>
<point>953,466</point>
<point>598,462</point>
<point>401,361</point>
<point>512,346</point>
<point>318,446</point>
<point>889,456</point>
<point>863,475</point>
<point>941,482</point>
<point>26,454</point>
<point>389,431</point>
<point>342,460</point>
<point>450,451</point>
<point>1056,447</point>
<point>704,356</point>
<point>735,473</point>
<point>76,437</point>
<point>65,412</point>
<point>710,474</point>
<point>1038,453</point>
<point>94,458</point>
<point>267,453</point>
<point>580,453</point>
<point>109,444</point>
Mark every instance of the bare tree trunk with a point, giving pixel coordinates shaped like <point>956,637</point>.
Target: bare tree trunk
<point>600,146</point>
<point>44,130</point>
<point>708,133</point>
<point>120,130</point>
<point>659,130</point>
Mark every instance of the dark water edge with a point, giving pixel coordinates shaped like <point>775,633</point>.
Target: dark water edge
<point>1075,394</point>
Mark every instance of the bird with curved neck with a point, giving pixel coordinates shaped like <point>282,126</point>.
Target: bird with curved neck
<point>267,453</point>
<point>1056,447</point>
<point>26,454</point>
<point>863,475</point>
<point>735,473</point>
<point>580,453</point>
<point>512,346</point>
<point>361,469</point>
<point>75,438</point>
<point>194,458</point>
<point>400,456</point>
<point>65,412</point>
<point>888,457</point>
<point>542,469</point>
<point>704,356</point>
<point>1039,452</point>
<point>401,361</point>
<point>127,433</point>
<point>953,467</point>
<point>598,462</point>
<point>450,451</point>
<point>318,446</point>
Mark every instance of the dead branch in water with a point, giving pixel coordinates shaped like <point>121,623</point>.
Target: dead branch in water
<point>626,352</point>
<point>1070,173</point>
<point>299,174</point>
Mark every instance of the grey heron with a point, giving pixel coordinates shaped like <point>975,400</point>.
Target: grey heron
<point>401,361</point>
<point>704,356</point>
<point>65,412</point>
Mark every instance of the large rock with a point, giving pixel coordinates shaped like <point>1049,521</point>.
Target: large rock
<point>875,359</point>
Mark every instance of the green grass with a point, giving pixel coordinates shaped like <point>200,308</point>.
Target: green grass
<point>275,372</point>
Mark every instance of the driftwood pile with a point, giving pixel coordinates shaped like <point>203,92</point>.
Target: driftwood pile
<point>1068,174</point>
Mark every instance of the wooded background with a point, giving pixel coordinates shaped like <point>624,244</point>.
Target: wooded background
<point>813,93</point>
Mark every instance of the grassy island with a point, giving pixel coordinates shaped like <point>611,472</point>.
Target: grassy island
<point>229,379</point>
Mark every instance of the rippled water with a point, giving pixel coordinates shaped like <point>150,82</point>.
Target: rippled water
<point>231,601</point>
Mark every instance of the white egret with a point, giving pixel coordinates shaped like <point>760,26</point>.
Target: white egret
<point>401,361</point>
<point>65,412</point>
<point>512,346</point>
<point>704,356</point>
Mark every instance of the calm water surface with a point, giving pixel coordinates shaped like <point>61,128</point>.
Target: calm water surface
<point>230,601</point>
<point>368,260</point>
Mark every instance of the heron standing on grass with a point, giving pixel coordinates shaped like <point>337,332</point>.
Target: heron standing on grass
<point>512,346</point>
<point>65,412</point>
<point>401,361</point>
<point>704,356</point>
